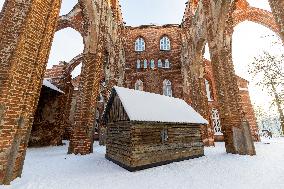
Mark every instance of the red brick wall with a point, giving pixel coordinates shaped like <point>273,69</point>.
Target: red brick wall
<point>247,107</point>
<point>153,78</point>
<point>245,100</point>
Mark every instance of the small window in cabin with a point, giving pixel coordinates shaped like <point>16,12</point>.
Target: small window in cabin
<point>165,44</point>
<point>139,45</point>
<point>139,85</point>
<point>152,64</point>
<point>145,63</point>
<point>138,64</point>
<point>164,135</point>
<point>160,63</point>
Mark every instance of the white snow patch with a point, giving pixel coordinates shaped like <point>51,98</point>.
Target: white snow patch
<point>144,106</point>
<point>50,85</point>
<point>52,168</point>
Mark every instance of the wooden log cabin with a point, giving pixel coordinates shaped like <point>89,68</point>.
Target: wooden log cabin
<point>145,130</point>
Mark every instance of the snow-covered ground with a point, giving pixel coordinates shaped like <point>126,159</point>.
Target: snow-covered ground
<point>51,168</point>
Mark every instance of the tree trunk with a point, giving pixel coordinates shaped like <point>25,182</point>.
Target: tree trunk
<point>279,109</point>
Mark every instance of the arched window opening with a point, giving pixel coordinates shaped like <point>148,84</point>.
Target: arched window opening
<point>152,64</point>
<point>208,90</point>
<point>167,63</point>
<point>145,63</point>
<point>139,45</point>
<point>206,52</point>
<point>165,44</point>
<point>167,88</point>
<point>138,64</point>
<point>74,47</point>
<point>216,122</point>
<point>160,63</point>
<point>139,85</point>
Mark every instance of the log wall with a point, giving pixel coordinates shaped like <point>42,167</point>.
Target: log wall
<point>139,145</point>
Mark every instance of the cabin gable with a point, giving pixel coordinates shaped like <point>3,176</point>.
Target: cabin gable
<point>115,111</point>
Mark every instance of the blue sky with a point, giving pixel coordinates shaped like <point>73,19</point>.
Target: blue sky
<point>247,38</point>
<point>137,12</point>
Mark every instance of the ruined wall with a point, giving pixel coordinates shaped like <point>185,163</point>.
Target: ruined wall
<point>46,129</point>
<point>247,107</point>
<point>153,78</point>
<point>245,100</point>
<point>60,77</point>
<point>212,22</point>
<point>193,65</point>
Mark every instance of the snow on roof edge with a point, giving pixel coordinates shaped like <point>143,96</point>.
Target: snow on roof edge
<point>48,84</point>
<point>189,114</point>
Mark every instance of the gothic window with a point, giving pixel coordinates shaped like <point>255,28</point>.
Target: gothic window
<point>216,122</point>
<point>165,44</point>
<point>160,63</point>
<point>145,63</point>
<point>152,64</point>
<point>139,85</point>
<point>208,90</point>
<point>139,45</point>
<point>138,64</point>
<point>167,88</point>
<point>167,63</point>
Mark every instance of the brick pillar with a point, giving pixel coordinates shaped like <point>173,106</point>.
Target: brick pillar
<point>27,29</point>
<point>277,7</point>
<point>82,137</point>
<point>199,98</point>
<point>238,139</point>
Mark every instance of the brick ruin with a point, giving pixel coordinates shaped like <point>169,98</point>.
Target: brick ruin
<point>27,30</point>
<point>48,126</point>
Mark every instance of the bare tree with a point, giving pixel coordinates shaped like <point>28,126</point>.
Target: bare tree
<point>268,70</point>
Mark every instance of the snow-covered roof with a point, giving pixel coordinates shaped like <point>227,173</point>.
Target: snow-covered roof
<point>50,85</point>
<point>144,106</point>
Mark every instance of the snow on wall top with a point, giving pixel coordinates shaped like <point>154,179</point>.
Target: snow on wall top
<point>144,106</point>
<point>50,85</point>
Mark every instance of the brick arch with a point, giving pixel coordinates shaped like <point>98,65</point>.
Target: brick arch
<point>256,15</point>
<point>74,63</point>
<point>74,19</point>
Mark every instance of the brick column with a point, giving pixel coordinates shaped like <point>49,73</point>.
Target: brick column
<point>199,98</point>
<point>27,29</point>
<point>82,137</point>
<point>277,7</point>
<point>238,139</point>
